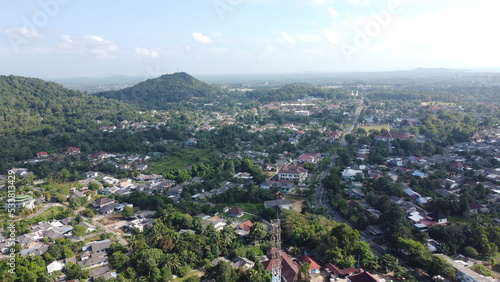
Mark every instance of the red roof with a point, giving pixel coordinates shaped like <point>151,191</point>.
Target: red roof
<point>246,225</point>
<point>307,259</point>
<point>39,154</point>
<point>289,268</point>
<point>475,206</point>
<point>362,277</point>
<point>335,270</point>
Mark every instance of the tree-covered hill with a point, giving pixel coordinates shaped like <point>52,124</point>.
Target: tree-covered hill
<point>35,115</point>
<point>157,93</point>
<point>35,106</point>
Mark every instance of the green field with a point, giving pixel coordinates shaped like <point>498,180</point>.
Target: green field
<point>180,159</point>
<point>374,127</point>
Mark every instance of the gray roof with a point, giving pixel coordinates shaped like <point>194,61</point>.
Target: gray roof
<point>274,203</point>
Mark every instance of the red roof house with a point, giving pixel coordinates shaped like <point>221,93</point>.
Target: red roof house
<point>313,266</point>
<point>42,155</point>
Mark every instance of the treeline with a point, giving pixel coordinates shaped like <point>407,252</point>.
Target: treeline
<point>292,92</point>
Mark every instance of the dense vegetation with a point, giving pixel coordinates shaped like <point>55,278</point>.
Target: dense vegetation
<point>159,92</point>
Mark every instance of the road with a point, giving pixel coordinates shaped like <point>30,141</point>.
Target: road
<point>321,202</point>
<point>354,122</point>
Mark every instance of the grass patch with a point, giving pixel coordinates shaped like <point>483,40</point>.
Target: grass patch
<point>374,127</point>
<point>180,159</point>
<point>253,208</point>
<point>190,274</point>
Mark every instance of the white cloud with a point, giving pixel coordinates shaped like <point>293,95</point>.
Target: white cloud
<point>286,38</point>
<point>201,38</point>
<point>24,32</point>
<point>333,12</point>
<point>146,52</point>
<point>331,36</point>
<point>92,44</point>
<point>94,38</point>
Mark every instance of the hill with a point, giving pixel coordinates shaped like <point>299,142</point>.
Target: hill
<point>30,105</point>
<point>159,92</point>
<point>36,115</point>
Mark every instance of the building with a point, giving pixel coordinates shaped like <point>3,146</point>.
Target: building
<point>292,173</point>
<point>350,174</point>
<point>73,151</point>
<point>314,267</point>
<point>42,155</point>
<point>22,201</point>
<point>235,212</point>
<point>362,277</point>
<point>389,136</point>
<point>289,268</point>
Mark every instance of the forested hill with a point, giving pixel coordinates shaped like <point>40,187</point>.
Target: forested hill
<point>34,106</point>
<point>157,93</point>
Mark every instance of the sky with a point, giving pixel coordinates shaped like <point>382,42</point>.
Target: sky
<point>75,38</point>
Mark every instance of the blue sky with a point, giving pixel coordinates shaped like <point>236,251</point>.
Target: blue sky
<point>72,38</point>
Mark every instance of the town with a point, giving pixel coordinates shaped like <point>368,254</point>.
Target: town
<point>345,183</point>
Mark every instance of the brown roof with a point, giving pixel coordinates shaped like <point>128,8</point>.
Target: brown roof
<point>235,210</point>
<point>289,268</point>
<point>362,277</point>
<point>312,264</point>
<point>335,270</point>
<point>246,225</point>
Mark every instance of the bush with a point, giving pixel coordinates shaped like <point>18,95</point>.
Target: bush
<point>481,269</point>
<point>470,251</point>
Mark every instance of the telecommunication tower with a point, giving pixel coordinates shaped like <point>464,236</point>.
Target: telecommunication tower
<point>276,250</point>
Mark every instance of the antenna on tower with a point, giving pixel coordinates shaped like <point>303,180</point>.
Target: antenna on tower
<point>276,250</point>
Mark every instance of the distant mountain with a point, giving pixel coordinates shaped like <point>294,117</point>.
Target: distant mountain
<point>30,105</point>
<point>157,93</point>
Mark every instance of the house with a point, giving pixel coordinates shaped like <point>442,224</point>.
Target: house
<point>411,193</point>
<point>21,201</point>
<point>475,207</point>
<point>375,230</point>
<point>336,272</point>
<point>389,136</point>
<point>243,229</point>
<point>282,204</point>
<point>55,266</point>
<point>457,166</point>
<point>309,157</point>
<point>88,227</point>
<point>355,193</point>
<point>292,173</point>
<point>99,203</point>
<point>314,267</point>
<point>244,263</point>
<point>73,151</point>
<point>362,277</point>
<point>350,174</point>
<point>91,174</point>
<point>216,221</point>
<point>97,246</point>
<point>289,268</point>
<point>235,212</point>
<point>465,274</point>
<point>42,155</point>
<point>110,208</point>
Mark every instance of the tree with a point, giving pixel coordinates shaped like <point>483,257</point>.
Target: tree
<point>127,212</point>
<point>75,271</point>
<point>119,260</point>
<point>78,231</point>
<point>257,232</point>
